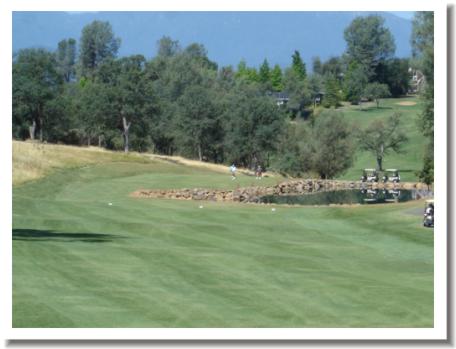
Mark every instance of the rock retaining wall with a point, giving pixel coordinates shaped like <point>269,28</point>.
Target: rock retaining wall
<point>253,193</point>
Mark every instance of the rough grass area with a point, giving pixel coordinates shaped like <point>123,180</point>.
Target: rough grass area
<point>80,262</point>
<point>207,165</point>
<point>33,160</point>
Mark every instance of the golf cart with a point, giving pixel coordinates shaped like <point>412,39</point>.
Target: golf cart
<point>391,175</point>
<point>369,175</point>
<point>391,195</point>
<point>428,220</point>
<point>371,195</point>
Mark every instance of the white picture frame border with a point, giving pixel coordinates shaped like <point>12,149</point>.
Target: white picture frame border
<point>438,332</point>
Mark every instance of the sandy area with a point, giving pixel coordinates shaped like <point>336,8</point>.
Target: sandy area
<point>406,103</point>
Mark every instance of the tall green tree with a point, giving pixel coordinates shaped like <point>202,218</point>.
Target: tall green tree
<point>244,72</point>
<point>317,66</point>
<point>298,66</point>
<point>298,91</point>
<point>423,49</point>
<point>66,58</point>
<point>133,95</point>
<point>174,80</point>
<point>333,66</point>
<point>332,144</point>
<point>375,91</point>
<point>369,42</point>
<point>226,77</point>
<point>241,69</point>
<point>128,97</point>
<point>167,47</point>
<point>395,73</point>
<point>276,78</point>
<point>355,82</point>
<point>197,124</point>
<point>197,52</point>
<point>253,126</point>
<point>380,138</point>
<point>294,154</point>
<point>97,44</point>
<point>316,84</point>
<point>36,82</point>
<point>264,72</point>
<point>94,112</point>
<point>332,95</point>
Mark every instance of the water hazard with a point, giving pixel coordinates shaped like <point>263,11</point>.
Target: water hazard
<point>360,196</point>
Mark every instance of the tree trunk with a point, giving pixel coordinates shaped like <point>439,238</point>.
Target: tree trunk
<point>99,141</point>
<point>41,129</point>
<point>126,127</point>
<point>88,140</point>
<point>380,158</point>
<point>126,141</point>
<point>200,155</point>
<point>379,163</point>
<point>378,102</point>
<point>32,130</point>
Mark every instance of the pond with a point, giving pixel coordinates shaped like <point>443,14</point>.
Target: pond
<point>363,196</point>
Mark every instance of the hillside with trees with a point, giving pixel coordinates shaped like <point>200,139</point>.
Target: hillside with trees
<point>180,102</point>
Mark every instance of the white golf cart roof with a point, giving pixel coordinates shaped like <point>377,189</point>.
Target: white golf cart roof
<point>430,201</point>
<point>370,169</point>
<point>391,170</point>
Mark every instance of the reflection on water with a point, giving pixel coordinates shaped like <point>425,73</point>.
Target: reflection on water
<point>363,196</point>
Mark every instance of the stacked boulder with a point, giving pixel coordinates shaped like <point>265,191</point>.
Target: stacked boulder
<point>253,194</point>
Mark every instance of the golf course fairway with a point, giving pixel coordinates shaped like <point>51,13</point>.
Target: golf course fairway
<point>86,254</point>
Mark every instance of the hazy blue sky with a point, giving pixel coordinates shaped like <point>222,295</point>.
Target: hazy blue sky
<point>228,36</point>
<point>404,14</point>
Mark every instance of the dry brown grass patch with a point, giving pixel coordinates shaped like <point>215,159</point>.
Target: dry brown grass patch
<point>406,103</point>
<point>201,164</point>
<point>34,160</point>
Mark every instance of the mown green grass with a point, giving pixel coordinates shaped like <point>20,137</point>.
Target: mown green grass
<point>78,262</point>
<point>410,160</point>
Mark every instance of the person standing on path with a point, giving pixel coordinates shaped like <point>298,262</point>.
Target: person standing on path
<point>258,172</point>
<point>233,172</point>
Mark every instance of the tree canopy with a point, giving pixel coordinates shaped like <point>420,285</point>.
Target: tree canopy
<point>423,49</point>
<point>36,82</point>
<point>182,102</point>
<point>298,66</point>
<point>97,44</point>
<point>332,144</point>
<point>369,42</point>
<point>376,91</point>
<point>380,138</point>
<point>66,59</point>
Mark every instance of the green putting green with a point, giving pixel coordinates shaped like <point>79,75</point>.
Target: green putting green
<point>85,254</point>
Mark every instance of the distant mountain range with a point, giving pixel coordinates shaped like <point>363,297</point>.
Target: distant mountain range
<point>228,36</point>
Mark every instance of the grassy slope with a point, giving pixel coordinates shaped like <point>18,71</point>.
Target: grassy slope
<point>32,161</point>
<point>78,262</point>
<point>411,159</point>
